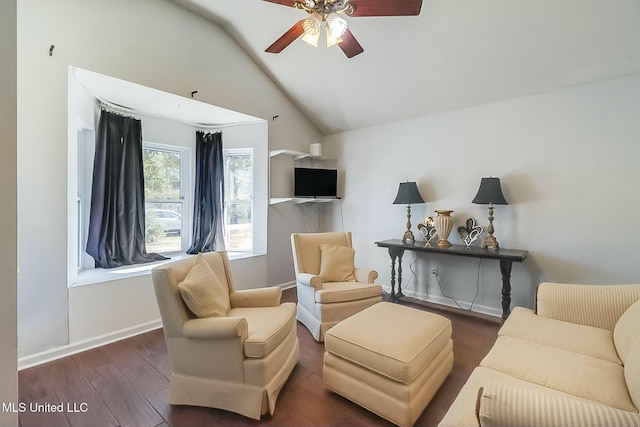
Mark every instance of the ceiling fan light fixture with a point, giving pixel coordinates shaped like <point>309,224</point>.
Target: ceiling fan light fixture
<point>311,27</point>
<point>336,25</point>
<point>332,40</point>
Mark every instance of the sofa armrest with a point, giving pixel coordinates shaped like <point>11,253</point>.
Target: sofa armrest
<point>364,275</point>
<point>310,280</point>
<point>502,405</point>
<point>261,297</point>
<point>216,327</point>
<point>593,305</point>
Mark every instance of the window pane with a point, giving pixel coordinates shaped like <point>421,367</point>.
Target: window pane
<point>238,229</point>
<point>239,177</point>
<point>161,174</point>
<point>163,226</point>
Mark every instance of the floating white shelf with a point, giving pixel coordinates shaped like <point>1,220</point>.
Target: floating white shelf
<point>297,155</point>
<point>299,201</point>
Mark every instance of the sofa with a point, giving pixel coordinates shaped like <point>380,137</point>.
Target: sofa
<point>572,361</point>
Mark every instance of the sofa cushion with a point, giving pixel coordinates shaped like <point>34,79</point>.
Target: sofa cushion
<point>267,327</point>
<point>574,373</point>
<point>203,292</point>
<point>627,330</point>
<point>497,401</point>
<point>524,324</point>
<point>337,263</point>
<point>462,410</point>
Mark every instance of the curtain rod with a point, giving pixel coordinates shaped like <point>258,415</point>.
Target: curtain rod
<point>128,111</point>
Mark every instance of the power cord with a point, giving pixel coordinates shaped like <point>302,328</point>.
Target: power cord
<point>413,273</point>
<point>477,289</point>
<point>447,296</point>
<point>477,284</point>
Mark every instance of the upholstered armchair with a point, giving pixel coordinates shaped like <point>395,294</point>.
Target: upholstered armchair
<point>330,288</point>
<point>228,349</point>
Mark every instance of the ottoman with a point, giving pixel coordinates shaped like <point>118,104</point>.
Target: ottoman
<point>389,359</point>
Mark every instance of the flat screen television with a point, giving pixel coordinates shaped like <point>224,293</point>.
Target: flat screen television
<point>312,182</point>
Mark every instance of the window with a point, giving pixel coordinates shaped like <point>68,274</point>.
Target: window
<point>167,222</point>
<point>238,203</point>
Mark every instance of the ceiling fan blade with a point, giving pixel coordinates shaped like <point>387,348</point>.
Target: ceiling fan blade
<point>350,45</point>
<point>286,39</point>
<point>386,7</point>
<point>282,2</point>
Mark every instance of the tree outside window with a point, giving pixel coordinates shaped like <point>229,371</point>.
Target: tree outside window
<point>164,204</point>
<point>238,199</point>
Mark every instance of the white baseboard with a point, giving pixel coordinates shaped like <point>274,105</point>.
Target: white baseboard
<point>287,285</point>
<point>84,345</point>
<point>436,299</point>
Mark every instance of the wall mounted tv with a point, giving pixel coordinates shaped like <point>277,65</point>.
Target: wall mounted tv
<point>312,182</point>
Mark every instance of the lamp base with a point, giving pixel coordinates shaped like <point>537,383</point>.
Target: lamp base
<point>407,237</point>
<point>490,242</point>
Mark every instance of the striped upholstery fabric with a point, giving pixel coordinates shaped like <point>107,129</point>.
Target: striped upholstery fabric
<point>574,373</point>
<point>627,330</point>
<point>593,305</point>
<point>574,362</point>
<point>632,372</point>
<point>503,405</point>
<point>393,375</point>
<point>324,299</point>
<point>229,363</point>
<point>524,324</point>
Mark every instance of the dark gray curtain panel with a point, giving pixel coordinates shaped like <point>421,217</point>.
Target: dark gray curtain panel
<point>209,194</point>
<point>116,226</point>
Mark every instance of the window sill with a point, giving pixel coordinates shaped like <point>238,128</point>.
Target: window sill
<point>101,275</point>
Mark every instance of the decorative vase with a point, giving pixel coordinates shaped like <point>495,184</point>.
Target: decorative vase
<point>444,224</point>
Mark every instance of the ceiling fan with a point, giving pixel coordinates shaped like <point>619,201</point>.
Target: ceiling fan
<point>326,14</point>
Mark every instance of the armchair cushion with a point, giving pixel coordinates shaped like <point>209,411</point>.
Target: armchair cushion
<point>337,263</point>
<point>268,327</point>
<point>203,292</point>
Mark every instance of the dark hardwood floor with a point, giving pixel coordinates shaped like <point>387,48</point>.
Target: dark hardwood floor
<point>127,384</point>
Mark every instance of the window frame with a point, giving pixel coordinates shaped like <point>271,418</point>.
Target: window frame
<point>186,191</point>
<point>226,153</point>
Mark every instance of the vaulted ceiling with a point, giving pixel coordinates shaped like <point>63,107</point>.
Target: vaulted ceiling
<point>455,54</point>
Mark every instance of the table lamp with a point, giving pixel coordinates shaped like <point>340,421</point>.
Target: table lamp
<point>490,193</point>
<point>408,194</point>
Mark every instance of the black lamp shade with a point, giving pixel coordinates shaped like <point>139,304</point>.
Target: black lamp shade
<point>490,192</point>
<point>408,194</point>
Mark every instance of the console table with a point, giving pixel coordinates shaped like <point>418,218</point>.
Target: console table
<point>506,257</point>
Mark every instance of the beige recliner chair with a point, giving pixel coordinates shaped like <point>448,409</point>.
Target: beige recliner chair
<point>237,361</point>
<point>330,288</point>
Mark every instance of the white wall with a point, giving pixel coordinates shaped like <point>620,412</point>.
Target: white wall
<point>151,42</point>
<point>568,162</point>
<point>8,214</point>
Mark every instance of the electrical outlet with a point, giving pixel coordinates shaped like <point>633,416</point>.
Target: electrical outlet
<point>434,271</point>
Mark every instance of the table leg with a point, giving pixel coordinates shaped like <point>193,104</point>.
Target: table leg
<point>505,269</point>
<point>396,253</point>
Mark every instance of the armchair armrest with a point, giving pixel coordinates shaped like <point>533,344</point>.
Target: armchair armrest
<point>502,405</point>
<point>261,297</point>
<point>364,275</point>
<point>310,280</point>
<point>593,305</point>
<point>216,327</point>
